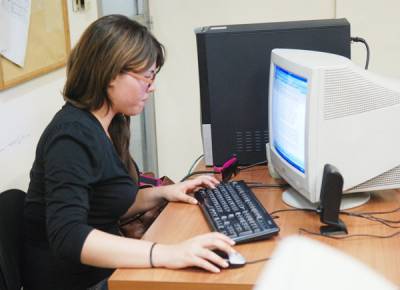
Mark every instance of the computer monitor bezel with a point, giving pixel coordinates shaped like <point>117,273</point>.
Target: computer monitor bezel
<point>344,140</point>
<point>296,177</point>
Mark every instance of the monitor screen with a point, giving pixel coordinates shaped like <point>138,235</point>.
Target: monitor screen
<point>289,98</point>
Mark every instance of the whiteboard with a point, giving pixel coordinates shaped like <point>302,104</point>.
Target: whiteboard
<point>15,16</point>
<point>24,113</point>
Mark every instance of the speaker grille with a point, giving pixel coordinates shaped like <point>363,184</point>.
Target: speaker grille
<point>347,93</point>
<point>390,177</point>
<point>251,141</point>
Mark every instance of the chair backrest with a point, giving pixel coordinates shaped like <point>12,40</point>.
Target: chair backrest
<point>11,238</point>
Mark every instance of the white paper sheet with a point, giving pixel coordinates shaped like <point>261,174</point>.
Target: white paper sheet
<point>302,263</point>
<point>14,28</point>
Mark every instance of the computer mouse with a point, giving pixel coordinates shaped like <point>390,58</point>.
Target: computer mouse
<point>235,260</point>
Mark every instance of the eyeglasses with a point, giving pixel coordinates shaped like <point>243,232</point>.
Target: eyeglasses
<point>148,80</point>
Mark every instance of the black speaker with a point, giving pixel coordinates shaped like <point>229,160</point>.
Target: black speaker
<point>330,198</point>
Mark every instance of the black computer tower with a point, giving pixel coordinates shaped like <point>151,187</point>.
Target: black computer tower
<point>234,64</point>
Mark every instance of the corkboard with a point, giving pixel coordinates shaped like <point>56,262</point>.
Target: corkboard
<point>48,44</point>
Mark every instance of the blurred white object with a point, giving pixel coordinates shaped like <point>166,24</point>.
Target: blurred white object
<point>302,263</point>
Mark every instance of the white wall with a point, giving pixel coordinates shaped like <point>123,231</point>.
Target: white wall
<point>379,23</point>
<point>177,94</point>
<point>26,109</point>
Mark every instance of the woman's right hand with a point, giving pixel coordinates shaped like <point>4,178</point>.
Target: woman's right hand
<point>194,252</point>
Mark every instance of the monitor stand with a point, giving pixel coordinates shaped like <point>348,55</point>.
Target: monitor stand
<point>294,199</point>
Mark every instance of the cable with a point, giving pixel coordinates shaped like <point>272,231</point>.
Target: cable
<point>379,212</point>
<point>294,209</point>
<point>359,39</point>
<point>190,174</point>
<point>382,221</point>
<point>265,162</point>
<point>194,163</point>
<point>266,185</point>
<point>361,215</point>
<point>197,173</point>
<point>369,216</point>
<point>349,236</point>
<point>258,260</point>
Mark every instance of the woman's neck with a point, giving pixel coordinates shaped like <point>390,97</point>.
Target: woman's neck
<point>104,115</point>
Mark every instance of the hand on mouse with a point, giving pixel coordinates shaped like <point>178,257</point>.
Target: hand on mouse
<point>194,252</point>
<point>179,191</point>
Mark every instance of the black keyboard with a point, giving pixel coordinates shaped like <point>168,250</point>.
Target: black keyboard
<point>233,209</point>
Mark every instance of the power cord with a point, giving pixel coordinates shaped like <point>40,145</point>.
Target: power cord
<point>359,39</point>
<point>230,165</point>
<point>265,162</point>
<point>233,166</point>
<point>378,212</point>
<point>367,215</point>
<point>349,236</point>
<point>198,173</point>
<point>293,209</point>
<point>370,216</point>
<point>268,185</point>
<point>194,163</point>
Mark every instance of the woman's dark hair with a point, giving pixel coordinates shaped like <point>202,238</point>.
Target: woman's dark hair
<point>111,45</point>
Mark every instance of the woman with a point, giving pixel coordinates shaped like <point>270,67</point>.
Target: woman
<point>83,180</point>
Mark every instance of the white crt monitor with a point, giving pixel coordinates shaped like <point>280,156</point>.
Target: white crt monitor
<point>323,109</point>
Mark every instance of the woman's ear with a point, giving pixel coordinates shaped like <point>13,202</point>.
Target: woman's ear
<point>116,79</point>
<point>112,82</point>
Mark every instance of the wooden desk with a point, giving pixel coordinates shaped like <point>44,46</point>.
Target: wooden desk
<point>181,221</point>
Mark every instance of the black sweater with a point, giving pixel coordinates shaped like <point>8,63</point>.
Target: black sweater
<point>77,183</point>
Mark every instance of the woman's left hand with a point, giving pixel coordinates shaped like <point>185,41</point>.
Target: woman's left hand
<point>179,191</point>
